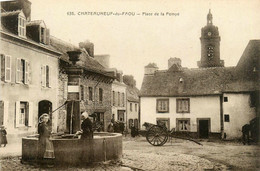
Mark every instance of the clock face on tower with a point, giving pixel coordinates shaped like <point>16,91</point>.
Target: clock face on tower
<point>209,33</point>
<point>210,52</point>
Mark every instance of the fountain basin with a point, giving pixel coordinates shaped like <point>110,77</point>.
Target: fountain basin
<point>68,149</point>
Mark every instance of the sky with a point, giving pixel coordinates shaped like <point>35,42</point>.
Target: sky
<point>133,40</point>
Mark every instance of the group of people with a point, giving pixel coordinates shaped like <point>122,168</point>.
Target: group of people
<point>45,146</point>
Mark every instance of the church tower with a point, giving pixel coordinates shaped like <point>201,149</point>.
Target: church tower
<point>210,45</point>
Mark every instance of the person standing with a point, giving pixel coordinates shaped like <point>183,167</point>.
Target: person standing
<point>245,131</point>
<point>3,133</point>
<point>86,138</point>
<point>86,126</point>
<point>45,146</point>
<point>133,133</point>
<point>110,127</point>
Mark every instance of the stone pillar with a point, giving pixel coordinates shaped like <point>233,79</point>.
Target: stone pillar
<point>73,107</point>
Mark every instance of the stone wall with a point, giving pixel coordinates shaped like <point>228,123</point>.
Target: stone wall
<point>62,97</point>
<point>95,105</point>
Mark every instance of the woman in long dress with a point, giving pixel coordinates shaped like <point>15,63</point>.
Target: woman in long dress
<point>45,150</point>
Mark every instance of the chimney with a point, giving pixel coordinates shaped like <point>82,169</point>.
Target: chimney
<point>174,60</point>
<point>119,76</point>
<point>103,60</point>
<point>89,46</point>
<point>150,69</point>
<point>23,5</point>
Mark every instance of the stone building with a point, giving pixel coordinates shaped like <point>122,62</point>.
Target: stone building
<point>86,84</point>
<point>210,101</point>
<point>29,70</point>
<point>118,94</point>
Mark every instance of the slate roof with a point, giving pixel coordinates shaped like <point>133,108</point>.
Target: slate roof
<point>206,81</point>
<point>10,13</point>
<point>10,31</point>
<point>132,94</point>
<point>35,22</point>
<point>89,63</point>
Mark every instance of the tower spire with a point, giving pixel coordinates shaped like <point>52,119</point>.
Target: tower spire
<point>209,18</point>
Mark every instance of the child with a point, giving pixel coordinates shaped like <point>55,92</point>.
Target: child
<point>3,139</point>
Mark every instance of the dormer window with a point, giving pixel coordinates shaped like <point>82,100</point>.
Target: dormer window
<point>37,31</point>
<point>21,26</point>
<point>42,35</point>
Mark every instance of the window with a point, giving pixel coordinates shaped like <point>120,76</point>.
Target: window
<point>123,99</point>
<point>225,99</point>
<point>114,99</point>
<point>90,93</point>
<point>226,118</point>
<point>5,68</point>
<point>43,35</point>
<point>183,105</point>
<point>21,26</point>
<point>131,107</point>
<point>118,99</point>
<point>82,93</point>
<point>130,122</point>
<point>24,114</point>
<point>136,107</point>
<point>183,125</point>
<point>100,94</point>
<point>46,76</point>
<point>162,105</point>
<point>163,122</point>
<point>22,71</point>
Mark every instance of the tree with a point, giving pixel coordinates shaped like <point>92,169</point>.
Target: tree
<point>129,80</point>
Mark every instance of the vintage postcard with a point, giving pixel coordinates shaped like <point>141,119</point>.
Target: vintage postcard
<point>129,85</point>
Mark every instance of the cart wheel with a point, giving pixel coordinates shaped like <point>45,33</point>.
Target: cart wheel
<point>157,135</point>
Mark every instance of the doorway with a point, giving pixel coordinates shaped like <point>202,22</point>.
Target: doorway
<point>203,128</point>
<point>100,119</point>
<point>45,106</point>
<point>121,115</point>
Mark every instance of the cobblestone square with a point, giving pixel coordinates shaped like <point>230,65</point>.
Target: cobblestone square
<point>177,154</point>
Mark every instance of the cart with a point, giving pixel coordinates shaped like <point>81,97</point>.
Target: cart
<point>158,135</point>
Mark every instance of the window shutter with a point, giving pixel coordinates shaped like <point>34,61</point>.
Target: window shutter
<point>6,109</point>
<point>44,36</point>
<point>30,117</point>
<point>29,73</point>
<point>47,36</point>
<point>26,73</point>
<point>85,93</point>
<point>49,78</point>
<point>18,66</point>
<point>47,75</point>
<point>43,75</point>
<point>17,113</point>
<point>2,67</point>
<point>158,105</point>
<point>8,68</point>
